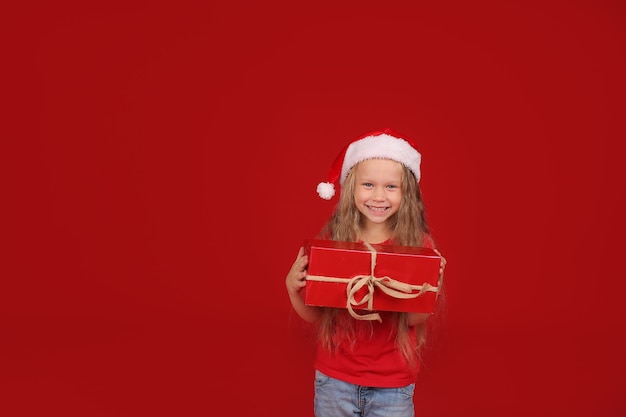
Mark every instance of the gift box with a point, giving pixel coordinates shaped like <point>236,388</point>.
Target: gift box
<point>359,276</point>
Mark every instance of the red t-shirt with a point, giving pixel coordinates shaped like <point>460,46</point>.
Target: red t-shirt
<point>373,359</point>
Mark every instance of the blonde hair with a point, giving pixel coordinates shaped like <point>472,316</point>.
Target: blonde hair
<point>408,228</point>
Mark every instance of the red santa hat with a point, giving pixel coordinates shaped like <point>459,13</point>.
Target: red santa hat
<point>383,144</point>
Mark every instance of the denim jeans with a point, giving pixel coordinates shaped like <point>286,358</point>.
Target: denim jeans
<point>335,398</point>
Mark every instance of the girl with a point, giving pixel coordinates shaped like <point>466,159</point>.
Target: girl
<point>368,368</point>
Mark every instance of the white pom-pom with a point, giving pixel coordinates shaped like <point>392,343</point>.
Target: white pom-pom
<point>326,190</point>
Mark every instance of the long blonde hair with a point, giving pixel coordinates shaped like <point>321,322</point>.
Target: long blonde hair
<point>408,228</point>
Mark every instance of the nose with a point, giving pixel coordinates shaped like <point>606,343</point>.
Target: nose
<point>379,194</point>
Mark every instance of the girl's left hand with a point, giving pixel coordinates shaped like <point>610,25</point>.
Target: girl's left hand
<point>442,265</point>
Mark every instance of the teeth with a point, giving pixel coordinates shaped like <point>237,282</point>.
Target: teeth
<point>380,209</point>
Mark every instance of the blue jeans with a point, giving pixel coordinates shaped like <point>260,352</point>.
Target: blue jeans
<point>335,398</point>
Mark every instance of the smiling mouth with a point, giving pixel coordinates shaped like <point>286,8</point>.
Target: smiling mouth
<point>378,209</point>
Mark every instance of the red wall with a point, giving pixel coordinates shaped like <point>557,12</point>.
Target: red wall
<point>160,168</point>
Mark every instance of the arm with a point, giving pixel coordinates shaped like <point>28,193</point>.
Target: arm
<point>295,282</point>
<point>417,318</point>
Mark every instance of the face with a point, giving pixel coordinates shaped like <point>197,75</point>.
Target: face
<point>378,189</point>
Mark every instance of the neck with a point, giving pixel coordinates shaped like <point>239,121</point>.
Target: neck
<point>375,233</point>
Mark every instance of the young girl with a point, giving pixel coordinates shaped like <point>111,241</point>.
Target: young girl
<point>368,368</point>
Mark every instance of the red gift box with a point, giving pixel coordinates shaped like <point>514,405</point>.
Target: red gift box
<point>359,276</point>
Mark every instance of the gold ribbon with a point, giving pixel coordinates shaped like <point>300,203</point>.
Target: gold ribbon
<point>389,286</point>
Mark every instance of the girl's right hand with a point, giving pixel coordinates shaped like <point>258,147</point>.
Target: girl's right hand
<point>295,278</point>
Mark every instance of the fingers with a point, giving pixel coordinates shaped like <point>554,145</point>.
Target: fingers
<point>301,261</point>
<point>442,262</point>
<point>302,281</point>
<point>295,283</point>
<point>296,276</point>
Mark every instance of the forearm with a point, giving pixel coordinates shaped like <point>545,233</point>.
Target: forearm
<point>307,313</point>
<point>417,318</point>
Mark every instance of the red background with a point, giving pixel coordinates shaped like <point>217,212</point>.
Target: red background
<point>159,173</point>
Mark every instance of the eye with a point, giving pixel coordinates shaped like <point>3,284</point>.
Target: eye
<point>392,186</point>
<point>368,184</point>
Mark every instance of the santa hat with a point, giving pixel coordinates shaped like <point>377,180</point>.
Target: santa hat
<point>383,144</point>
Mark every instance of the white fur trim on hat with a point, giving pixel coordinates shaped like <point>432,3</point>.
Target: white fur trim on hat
<point>382,146</point>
